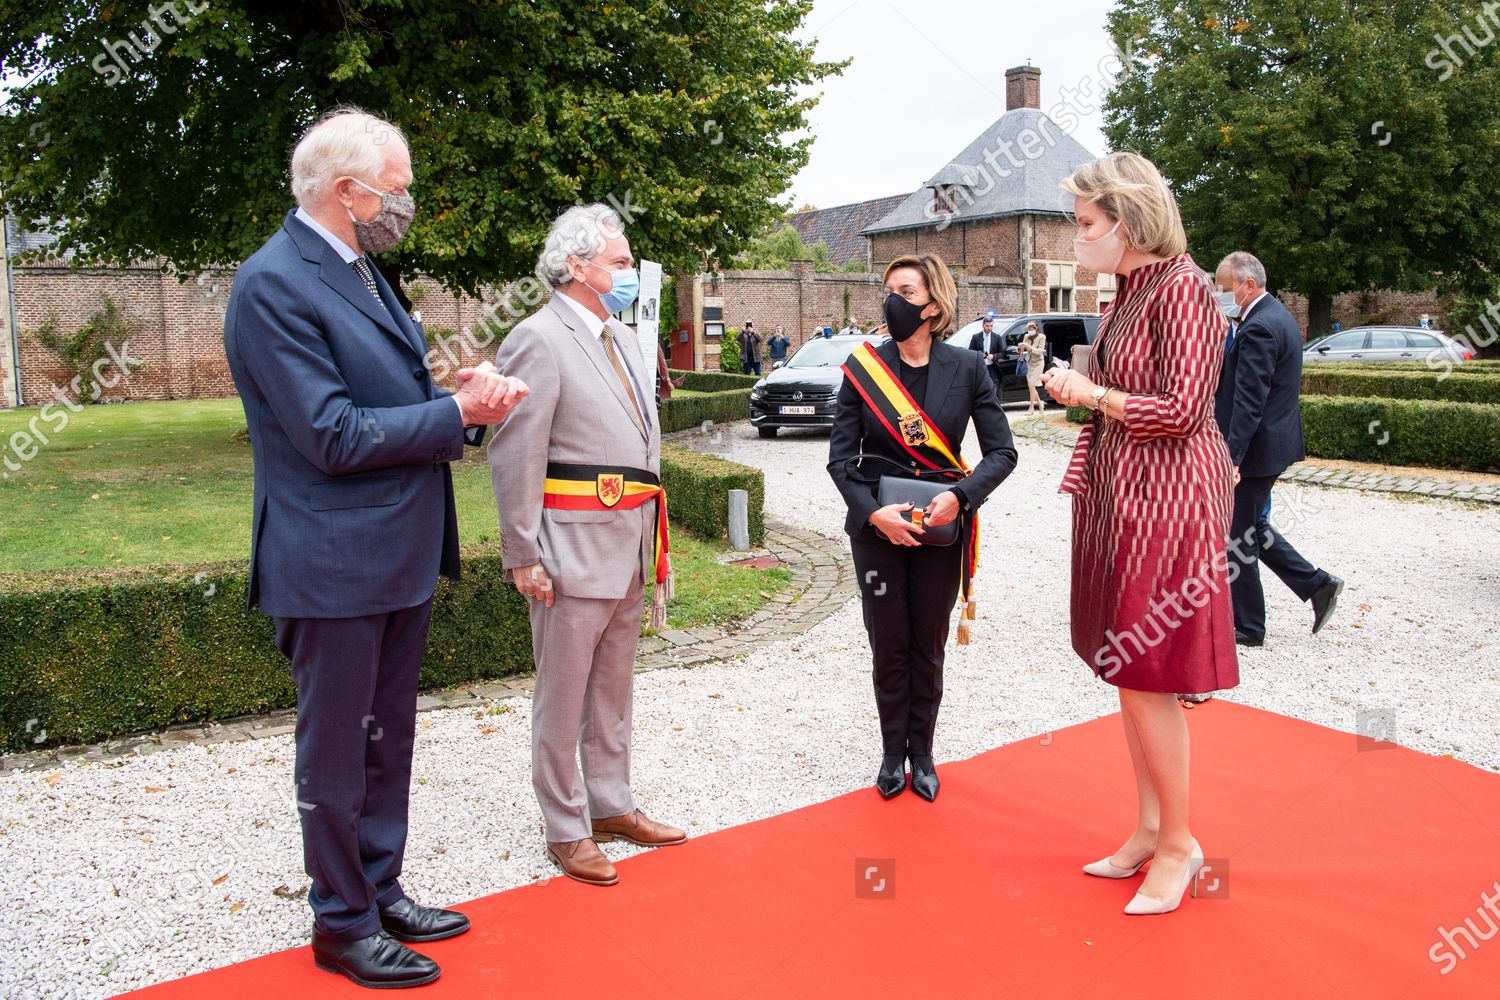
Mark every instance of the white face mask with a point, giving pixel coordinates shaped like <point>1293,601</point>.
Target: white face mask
<point>1226,302</point>
<point>1102,255</point>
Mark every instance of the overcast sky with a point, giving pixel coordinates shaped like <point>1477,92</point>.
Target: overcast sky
<point>928,76</point>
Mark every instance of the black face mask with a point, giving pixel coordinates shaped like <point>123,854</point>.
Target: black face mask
<point>902,318</point>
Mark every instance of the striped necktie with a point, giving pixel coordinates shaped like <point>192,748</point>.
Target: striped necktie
<point>614,359</point>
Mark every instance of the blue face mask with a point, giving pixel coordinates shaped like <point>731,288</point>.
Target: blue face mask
<point>624,287</point>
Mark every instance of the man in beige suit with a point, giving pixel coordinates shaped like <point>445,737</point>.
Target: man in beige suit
<point>576,481</point>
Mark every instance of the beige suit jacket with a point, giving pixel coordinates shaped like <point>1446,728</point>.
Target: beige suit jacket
<point>577,413</point>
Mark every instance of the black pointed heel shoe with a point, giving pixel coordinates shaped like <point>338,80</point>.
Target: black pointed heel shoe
<point>924,779</point>
<point>891,781</point>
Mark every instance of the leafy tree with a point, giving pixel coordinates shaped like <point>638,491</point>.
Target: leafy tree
<point>514,110</point>
<point>1328,137</point>
<point>729,352</point>
<point>774,249</point>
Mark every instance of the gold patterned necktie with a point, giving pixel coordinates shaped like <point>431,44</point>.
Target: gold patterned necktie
<point>614,359</point>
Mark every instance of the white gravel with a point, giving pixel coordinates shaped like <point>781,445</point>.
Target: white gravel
<point>125,873</point>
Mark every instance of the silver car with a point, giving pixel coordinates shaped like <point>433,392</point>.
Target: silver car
<point>1387,343</point>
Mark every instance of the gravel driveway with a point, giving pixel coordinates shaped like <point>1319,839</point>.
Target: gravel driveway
<point>120,874</point>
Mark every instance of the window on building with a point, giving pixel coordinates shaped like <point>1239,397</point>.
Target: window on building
<point>1106,286</point>
<point>1060,287</point>
<point>943,202</point>
<point>711,330</point>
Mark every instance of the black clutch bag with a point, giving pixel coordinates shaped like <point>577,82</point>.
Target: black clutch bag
<point>919,493</point>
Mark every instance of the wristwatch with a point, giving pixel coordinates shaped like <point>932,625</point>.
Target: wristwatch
<point>1096,397</point>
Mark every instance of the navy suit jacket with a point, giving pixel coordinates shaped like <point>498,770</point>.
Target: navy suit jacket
<point>354,511</point>
<point>1258,405</point>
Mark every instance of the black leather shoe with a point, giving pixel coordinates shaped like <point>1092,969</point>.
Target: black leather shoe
<point>378,962</point>
<point>892,777</point>
<point>924,779</point>
<point>1324,601</point>
<point>409,922</point>
<point>1246,639</point>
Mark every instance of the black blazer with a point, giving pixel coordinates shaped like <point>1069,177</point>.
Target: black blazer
<point>958,391</point>
<point>1258,404</point>
<point>976,343</point>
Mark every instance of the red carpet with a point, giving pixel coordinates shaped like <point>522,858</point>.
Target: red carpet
<point>1342,865</point>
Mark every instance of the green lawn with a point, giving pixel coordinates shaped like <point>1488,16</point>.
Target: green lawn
<point>143,484</point>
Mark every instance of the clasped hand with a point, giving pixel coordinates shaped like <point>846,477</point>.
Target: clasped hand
<point>899,531</point>
<point>1069,386</point>
<point>485,396</point>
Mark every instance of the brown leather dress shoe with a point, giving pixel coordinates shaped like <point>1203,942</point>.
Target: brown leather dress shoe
<point>638,828</point>
<point>582,860</point>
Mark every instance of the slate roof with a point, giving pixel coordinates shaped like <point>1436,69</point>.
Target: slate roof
<point>997,186</point>
<point>840,227</point>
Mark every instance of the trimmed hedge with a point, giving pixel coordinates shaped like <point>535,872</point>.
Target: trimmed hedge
<point>698,488</point>
<point>1461,386</point>
<point>682,413</point>
<point>90,654</point>
<point>715,381</point>
<point>1434,433</point>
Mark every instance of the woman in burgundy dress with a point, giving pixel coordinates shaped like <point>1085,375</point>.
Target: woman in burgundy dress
<point>1151,483</point>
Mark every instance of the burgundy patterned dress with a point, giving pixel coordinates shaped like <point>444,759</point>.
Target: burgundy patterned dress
<point>1152,493</point>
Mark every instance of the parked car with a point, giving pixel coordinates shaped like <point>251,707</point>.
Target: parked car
<point>1387,343</point>
<point>1062,330</point>
<point>804,391</point>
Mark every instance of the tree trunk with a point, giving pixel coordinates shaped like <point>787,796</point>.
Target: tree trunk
<point>1319,314</point>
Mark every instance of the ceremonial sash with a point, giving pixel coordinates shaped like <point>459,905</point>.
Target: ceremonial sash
<point>610,487</point>
<point>917,434</point>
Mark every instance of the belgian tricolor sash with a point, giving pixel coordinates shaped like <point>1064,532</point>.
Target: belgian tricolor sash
<point>615,487</point>
<point>919,437</point>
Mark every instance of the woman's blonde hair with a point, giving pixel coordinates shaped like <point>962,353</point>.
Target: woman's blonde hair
<point>1129,189</point>
<point>939,285</point>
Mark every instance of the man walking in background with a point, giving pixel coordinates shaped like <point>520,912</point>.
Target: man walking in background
<point>1258,409</point>
<point>354,520</point>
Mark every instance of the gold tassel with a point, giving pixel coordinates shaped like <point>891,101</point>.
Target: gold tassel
<point>971,608</point>
<point>963,633</point>
<point>664,593</point>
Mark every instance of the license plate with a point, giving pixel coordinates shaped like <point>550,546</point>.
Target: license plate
<point>798,411</point>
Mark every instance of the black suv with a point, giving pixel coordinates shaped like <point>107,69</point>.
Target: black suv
<point>804,391</point>
<point>1063,332</point>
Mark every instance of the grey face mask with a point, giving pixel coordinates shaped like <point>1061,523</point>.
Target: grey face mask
<point>383,232</point>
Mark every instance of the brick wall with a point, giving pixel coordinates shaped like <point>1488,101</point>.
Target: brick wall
<point>178,327</point>
<point>1359,308</point>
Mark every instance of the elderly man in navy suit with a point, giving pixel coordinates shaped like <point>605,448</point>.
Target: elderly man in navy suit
<point>1258,408</point>
<point>354,520</point>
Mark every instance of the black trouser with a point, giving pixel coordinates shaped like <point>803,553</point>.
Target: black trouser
<point>356,723</point>
<point>1254,540</point>
<point>908,596</point>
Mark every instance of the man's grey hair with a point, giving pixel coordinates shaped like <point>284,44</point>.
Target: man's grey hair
<point>346,141</point>
<point>581,231</point>
<point>1242,264</point>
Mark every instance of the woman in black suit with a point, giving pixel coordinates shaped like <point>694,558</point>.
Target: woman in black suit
<point>913,430</point>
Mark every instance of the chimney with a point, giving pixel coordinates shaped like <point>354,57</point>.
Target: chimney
<point>1023,88</point>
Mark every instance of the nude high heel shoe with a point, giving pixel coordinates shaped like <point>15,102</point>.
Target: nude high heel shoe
<point>1104,868</point>
<point>1143,905</point>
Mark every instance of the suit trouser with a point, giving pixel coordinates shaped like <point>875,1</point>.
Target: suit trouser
<point>356,722</point>
<point>581,706</point>
<point>908,596</point>
<point>1254,540</point>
